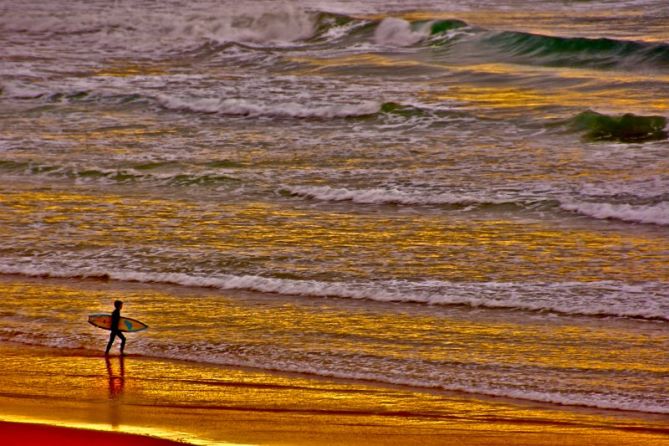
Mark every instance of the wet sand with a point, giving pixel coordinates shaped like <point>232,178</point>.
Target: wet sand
<point>205,404</point>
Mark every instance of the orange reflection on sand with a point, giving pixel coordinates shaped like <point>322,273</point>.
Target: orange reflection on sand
<point>116,378</point>
<point>212,405</point>
<point>116,387</point>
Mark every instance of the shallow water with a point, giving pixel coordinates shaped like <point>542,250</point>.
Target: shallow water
<point>450,187</point>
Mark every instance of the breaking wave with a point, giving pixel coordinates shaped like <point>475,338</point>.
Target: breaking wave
<point>522,46</point>
<point>113,26</point>
<point>601,299</point>
<point>110,93</point>
<point>117,28</point>
<point>649,213</point>
<point>243,107</point>
<point>230,106</point>
<point>389,196</point>
<point>657,214</point>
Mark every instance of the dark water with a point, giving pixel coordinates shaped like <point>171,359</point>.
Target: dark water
<point>465,195</point>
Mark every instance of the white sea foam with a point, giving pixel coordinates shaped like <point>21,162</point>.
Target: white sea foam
<point>119,25</point>
<point>606,299</point>
<point>397,32</point>
<point>235,106</point>
<point>390,196</point>
<point>646,188</point>
<point>657,214</point>
<point>651,214</point>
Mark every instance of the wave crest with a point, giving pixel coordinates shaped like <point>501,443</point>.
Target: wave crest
<point>604,299</point>
<point>657,214</point>
<point>387,196</point>
<point>579,51</point>
<point>243,107</point>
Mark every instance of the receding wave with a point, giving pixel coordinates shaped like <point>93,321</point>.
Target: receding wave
<point>381,370</point>
<point>625,128</point>
<point>604,299</point>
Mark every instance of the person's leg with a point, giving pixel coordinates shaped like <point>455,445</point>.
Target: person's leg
<point>120,335</point>
<point>112,336</point>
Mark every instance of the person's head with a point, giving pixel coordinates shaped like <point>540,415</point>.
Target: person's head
<point>118,304</point>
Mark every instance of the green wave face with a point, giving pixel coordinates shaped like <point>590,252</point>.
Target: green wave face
<point>441,26</point>
<point>579,51</point>
<point>407,111</point>
<point>624,128</point>
<point>437,27</point>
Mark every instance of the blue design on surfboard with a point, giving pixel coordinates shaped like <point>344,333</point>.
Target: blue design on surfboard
<point>125,324</point>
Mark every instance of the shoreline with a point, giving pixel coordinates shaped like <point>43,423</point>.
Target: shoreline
<point>208,404</point>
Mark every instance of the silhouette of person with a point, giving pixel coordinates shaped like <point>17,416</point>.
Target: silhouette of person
<point>115,319</point>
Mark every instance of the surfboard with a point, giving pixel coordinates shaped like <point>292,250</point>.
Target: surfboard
<point>125,324</point>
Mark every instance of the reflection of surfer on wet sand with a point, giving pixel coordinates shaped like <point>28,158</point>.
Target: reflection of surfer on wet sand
<point>116,387</point>
<point>116,382</point>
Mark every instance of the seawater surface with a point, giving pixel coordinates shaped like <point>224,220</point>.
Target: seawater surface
<point>468,196</point>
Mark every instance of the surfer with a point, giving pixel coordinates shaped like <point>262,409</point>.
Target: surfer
<point>115,318</point>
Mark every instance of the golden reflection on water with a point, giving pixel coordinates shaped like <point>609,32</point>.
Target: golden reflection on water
<point>201,318</point>
<point>93,390</point>
<point>129,68</point>
<point>528,98</point>
<point>318,64</point>
<point>298,240</point>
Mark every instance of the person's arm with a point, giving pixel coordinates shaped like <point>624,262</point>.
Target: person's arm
<point>116,318</point>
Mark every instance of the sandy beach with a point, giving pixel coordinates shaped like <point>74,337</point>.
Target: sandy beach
<point>161,400</point>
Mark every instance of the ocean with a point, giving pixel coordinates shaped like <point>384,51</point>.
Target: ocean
<point>466,196</point>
